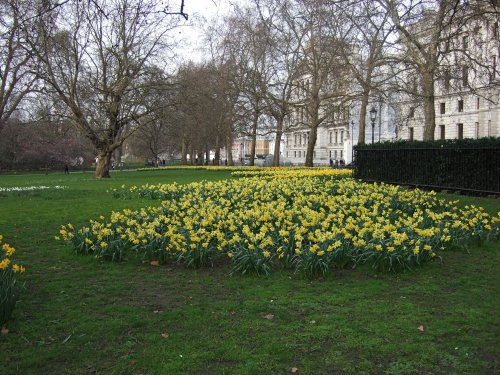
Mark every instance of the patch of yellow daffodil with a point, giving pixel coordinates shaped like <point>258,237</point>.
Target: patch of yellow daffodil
<point>287,172</point>
<point>199,167</point>
<point>307,219</point>
<point>5,258</point>
<point>9,285</point>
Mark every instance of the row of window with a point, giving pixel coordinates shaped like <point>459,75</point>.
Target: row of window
<point>340,154</point>
<point>442,107</point>
<point>459,131</point>
<point>335,154</point>
<point>299,139</point>
<point>465,39</point>
<point>460,106</point>
<point>299,154</point>
<point>337,136</point>
<point>493,73</point>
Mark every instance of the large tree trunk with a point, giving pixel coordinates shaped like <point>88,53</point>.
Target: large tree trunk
<point>277,144</point>
<point>429,111</point>
<point>255,122</point>
<point>103,164</point>
<point>229,148</point>
<point>184,151</point>
<point>217,150</point>
<point>313,109</point>
<point>192,156</point>
<point>118,155</point>
<point>310,146</point>
<point>362,116</point>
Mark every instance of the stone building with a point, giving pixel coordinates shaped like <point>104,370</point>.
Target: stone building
<point>468,90</point>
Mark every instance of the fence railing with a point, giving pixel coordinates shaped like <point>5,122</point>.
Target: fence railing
<point>465,169</point>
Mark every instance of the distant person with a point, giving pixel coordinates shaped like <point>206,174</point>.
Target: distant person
<point>331,163</point>
<point>66,169</point>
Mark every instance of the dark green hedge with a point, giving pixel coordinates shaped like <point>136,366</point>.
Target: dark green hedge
<point>469,164</point>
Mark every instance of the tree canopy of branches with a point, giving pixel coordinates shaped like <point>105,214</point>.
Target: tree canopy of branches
<point>426,29</point>
<point>95,59</point>
<point>17,66</point>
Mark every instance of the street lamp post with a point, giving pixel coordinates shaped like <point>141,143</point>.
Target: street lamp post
<point>373,117</point>
<point>380,118</point>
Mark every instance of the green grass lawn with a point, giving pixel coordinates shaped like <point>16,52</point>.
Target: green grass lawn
<point>81,316</point>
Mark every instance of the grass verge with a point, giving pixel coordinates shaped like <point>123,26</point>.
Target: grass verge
<point>80,316</point>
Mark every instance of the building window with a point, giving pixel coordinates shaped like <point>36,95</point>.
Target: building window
<point>341,137</point>
<point>460,105</point>
<point>476,128</point>
<point>336,137</point>
<point>287,154</point>
<point>442,108</point>
<point>331,136</point>
<point>341,154</point>
<point>460,131</point>
<point>411,133</point>
<point>335,154</point>
<point>477,103</point>
<point>442,133</point>
<point>494,30</point>
<point>295,139</point>
<point>412,112</point>
<point>287,139</point>
<point>465,76</point>
<point>330,153</point>
<point>295,154</point>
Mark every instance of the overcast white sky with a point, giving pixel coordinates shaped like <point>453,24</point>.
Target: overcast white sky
<point>192,32</point>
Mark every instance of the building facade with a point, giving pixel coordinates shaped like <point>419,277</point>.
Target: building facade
<point>467,92</point>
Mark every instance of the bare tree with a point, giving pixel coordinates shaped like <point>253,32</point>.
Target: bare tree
<point>321,82</point>
<point>367,31</point>
<point>157,135</point>
<point>17,68</point>
<point>95,58</point>
<point>284,58</point>
<point>247,38</point>
<point>426,29</point>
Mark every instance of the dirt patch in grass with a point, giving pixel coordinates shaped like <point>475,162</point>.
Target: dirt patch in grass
<point>172,286</point>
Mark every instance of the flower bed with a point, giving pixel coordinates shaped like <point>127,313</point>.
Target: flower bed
<point>29,188</point>
<point>311,224</point>
<point>9,285</point>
